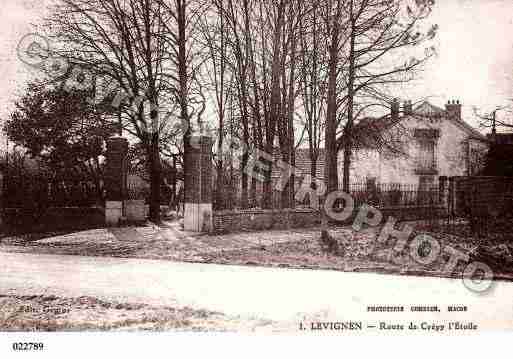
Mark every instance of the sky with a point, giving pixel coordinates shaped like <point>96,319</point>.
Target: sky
<point>474,62</point>
<point>475,56</point>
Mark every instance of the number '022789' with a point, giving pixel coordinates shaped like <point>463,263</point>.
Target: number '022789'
<point>27,346</point>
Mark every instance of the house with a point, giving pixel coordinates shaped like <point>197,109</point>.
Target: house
<point>416,145</point>
<point>411,147</point>
<point>138,184</point>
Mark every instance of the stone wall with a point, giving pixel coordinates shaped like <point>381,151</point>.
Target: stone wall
<point>414,213</point>
<point>260,219</point>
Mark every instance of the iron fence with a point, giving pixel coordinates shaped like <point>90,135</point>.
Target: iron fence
<point>384,195</point>
<point>379,195</point>
<point>34,192</point>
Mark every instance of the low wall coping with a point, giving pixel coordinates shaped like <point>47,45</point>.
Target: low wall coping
<point>113,204</point>
<point>412,206</point>
<point>264,211</point>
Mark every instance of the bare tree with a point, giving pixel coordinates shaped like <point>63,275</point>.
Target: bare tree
<point>140,50</point>
<point>215,32</point>
<point>239,15</point>
<point>335,25</point>
<point>258,63</point>
<point>377,33</point>
<point>491,120</point>
<point>296,11</point>
<point>313,81</point>
<point>279,84</point>
<point>122,43</point>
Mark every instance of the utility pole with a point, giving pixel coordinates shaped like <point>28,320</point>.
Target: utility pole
<point>494,131</point>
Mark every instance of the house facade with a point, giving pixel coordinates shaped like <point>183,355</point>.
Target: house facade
<point>409,146</point>
<point>416,145</point>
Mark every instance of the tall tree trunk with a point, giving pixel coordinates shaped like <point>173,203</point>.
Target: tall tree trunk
<point>330,161</point>
<point>220,190</point>
<point>246,140</point>
<point>253,193</point>
<point>155,178</point>
<point>182,83</point>
<point>275,103</point>
<point>289,125</point>
<point>267,201</point>
<point>285,193</point>
<point>348,128</point>
<point>244,180</point>
<point>330,169</point>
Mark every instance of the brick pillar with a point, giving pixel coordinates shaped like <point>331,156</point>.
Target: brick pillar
<point>198,185</point>
<point>115,179</point>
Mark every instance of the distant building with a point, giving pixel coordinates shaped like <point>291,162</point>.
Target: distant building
<point>303,163</point>
<point>410,147</point>
<point>416,146</point>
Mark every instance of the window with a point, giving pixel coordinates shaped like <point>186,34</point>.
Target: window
<point>426,160</point>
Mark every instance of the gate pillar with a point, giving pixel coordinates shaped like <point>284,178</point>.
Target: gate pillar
<point>198,185</point>
<point>115,179</point>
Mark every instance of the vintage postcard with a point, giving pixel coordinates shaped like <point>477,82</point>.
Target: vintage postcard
<point>324,167</point>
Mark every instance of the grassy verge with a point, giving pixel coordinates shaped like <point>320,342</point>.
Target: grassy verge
<point>50,313</point>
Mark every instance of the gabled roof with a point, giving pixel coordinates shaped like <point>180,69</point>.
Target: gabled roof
<point>473,133</point>
<point>427,109</point>
<point>365,130</point>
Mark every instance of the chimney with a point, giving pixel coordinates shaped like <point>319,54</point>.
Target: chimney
<point>394,109</point>
<point>453,109</point>
<point>407,108</point>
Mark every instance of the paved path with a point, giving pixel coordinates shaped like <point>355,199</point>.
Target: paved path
<point>268,293</point>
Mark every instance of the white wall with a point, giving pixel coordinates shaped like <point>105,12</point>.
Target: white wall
<point>451,154</point>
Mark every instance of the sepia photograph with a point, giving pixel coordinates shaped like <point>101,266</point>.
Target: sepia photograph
<point>255,167</point>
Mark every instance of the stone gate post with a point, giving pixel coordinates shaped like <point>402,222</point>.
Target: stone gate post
<point>115,179</point>
<point>198,179</point>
